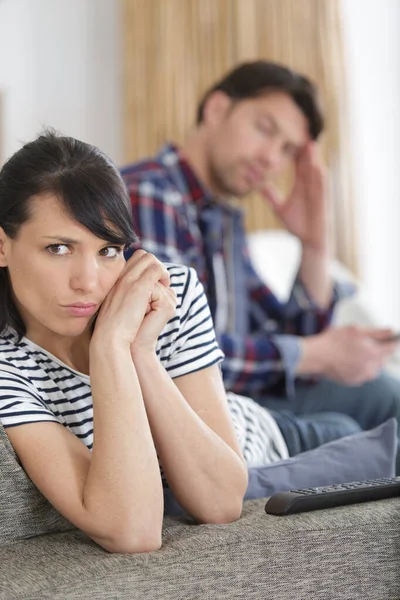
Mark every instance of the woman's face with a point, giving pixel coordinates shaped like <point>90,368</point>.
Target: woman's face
<point>60,272</point>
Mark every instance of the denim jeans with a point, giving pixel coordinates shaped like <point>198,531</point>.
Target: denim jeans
<point>369,404</point>
<point>312,430</point>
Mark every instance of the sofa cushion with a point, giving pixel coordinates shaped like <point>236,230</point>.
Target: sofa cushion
<point>24,511</point>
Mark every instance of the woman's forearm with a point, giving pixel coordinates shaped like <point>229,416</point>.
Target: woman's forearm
<point>206,475</point>
<point>123,489</point>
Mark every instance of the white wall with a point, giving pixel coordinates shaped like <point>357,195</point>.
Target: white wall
<point>61,66</point>
<point>372,36</point>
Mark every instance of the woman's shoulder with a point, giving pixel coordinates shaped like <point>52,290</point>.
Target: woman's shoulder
<point>15,357</point>
<point>189,291</point>
<point>183,279</point>
<point>24,361</point>
<point>188,342</point>
<point>179,272</point>
<point>10,349</point>
<point>19,373</point>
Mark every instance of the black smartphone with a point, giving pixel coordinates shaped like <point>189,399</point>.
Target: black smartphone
<point>391,338</point>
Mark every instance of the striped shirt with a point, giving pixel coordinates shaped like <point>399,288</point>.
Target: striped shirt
<point>36,386</point>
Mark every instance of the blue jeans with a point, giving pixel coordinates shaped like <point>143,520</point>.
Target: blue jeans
<point>369,404</point>
<point>312,430</point>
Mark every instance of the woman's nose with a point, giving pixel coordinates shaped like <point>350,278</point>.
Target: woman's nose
<point>84,277</point>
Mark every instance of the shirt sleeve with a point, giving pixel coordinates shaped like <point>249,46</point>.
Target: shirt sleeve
<point>303,316</point>
<point>267,360</point>
<point>20,403</point>
<point>195,346</point>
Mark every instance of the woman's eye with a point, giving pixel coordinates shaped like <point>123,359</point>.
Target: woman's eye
<point>58,249</point>
<point>111,251</point>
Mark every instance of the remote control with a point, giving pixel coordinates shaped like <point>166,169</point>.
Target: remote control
<point>314,498</point>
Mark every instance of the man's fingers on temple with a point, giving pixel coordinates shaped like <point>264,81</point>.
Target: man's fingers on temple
<point>272,195</point>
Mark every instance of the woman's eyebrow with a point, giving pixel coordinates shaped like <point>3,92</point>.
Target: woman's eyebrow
<point>61,238</point>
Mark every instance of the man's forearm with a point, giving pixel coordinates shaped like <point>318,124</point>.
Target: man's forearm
<point>312,359</point>
<point>315,276</point>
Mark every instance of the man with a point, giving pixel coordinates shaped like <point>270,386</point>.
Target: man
<point>251,125</point>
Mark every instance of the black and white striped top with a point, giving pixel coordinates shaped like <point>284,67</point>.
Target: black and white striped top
<point>36,386</point>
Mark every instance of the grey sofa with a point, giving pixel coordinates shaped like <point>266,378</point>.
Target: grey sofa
<point>350,553</point>
<point>344,553</point>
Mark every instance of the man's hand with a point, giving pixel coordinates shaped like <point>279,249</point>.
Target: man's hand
<point>348,355</point>
<point>305,211</point>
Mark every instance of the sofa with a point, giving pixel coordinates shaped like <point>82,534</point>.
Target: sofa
<point>350,553</point>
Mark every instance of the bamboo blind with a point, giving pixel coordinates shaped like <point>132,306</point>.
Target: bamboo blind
<point>175,49</point>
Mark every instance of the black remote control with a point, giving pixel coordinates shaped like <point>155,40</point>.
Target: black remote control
<point>314,498</point>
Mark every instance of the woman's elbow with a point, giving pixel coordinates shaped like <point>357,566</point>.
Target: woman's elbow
<point>226,512</point>
<point>131,543</point>
<point>228,506</point>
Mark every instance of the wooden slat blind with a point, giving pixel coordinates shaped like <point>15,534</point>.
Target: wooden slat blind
<point>175,49</point>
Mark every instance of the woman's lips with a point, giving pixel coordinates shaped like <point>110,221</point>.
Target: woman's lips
<point>81,310</point>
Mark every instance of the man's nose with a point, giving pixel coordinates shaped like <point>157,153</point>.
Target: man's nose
<point>271,155</point>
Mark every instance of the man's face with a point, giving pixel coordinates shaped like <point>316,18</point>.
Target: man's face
<point>252,141</point>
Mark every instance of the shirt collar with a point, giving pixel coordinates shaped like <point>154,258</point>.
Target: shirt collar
<point>171,156</point>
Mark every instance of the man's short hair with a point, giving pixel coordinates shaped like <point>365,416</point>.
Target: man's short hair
<point>252,79</point>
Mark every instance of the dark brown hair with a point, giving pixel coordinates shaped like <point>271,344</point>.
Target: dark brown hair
<point>253,79</point>
<point>87,183</point>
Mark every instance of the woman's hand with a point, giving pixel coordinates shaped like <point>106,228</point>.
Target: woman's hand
<point>136,294</point>
<point>159,311</point>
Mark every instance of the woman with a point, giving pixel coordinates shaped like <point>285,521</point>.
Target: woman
<point>70,307</point>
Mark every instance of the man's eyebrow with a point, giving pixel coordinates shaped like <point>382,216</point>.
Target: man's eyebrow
<point>297,147</point>
<point>61,238</point>
<point>272,121</point>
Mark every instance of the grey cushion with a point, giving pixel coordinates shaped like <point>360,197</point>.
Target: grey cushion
<point>364,455</point>
<point>24,512</point>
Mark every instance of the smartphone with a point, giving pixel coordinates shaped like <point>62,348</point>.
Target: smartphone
<point>392,338</point>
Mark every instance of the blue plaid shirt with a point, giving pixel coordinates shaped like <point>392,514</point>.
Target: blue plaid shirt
<point>179,221</point>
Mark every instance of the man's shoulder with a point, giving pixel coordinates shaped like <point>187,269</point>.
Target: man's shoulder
<point>153,175</point>
<point>150,167</point>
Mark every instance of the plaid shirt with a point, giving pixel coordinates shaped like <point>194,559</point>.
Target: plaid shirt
<point>178,221</point>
